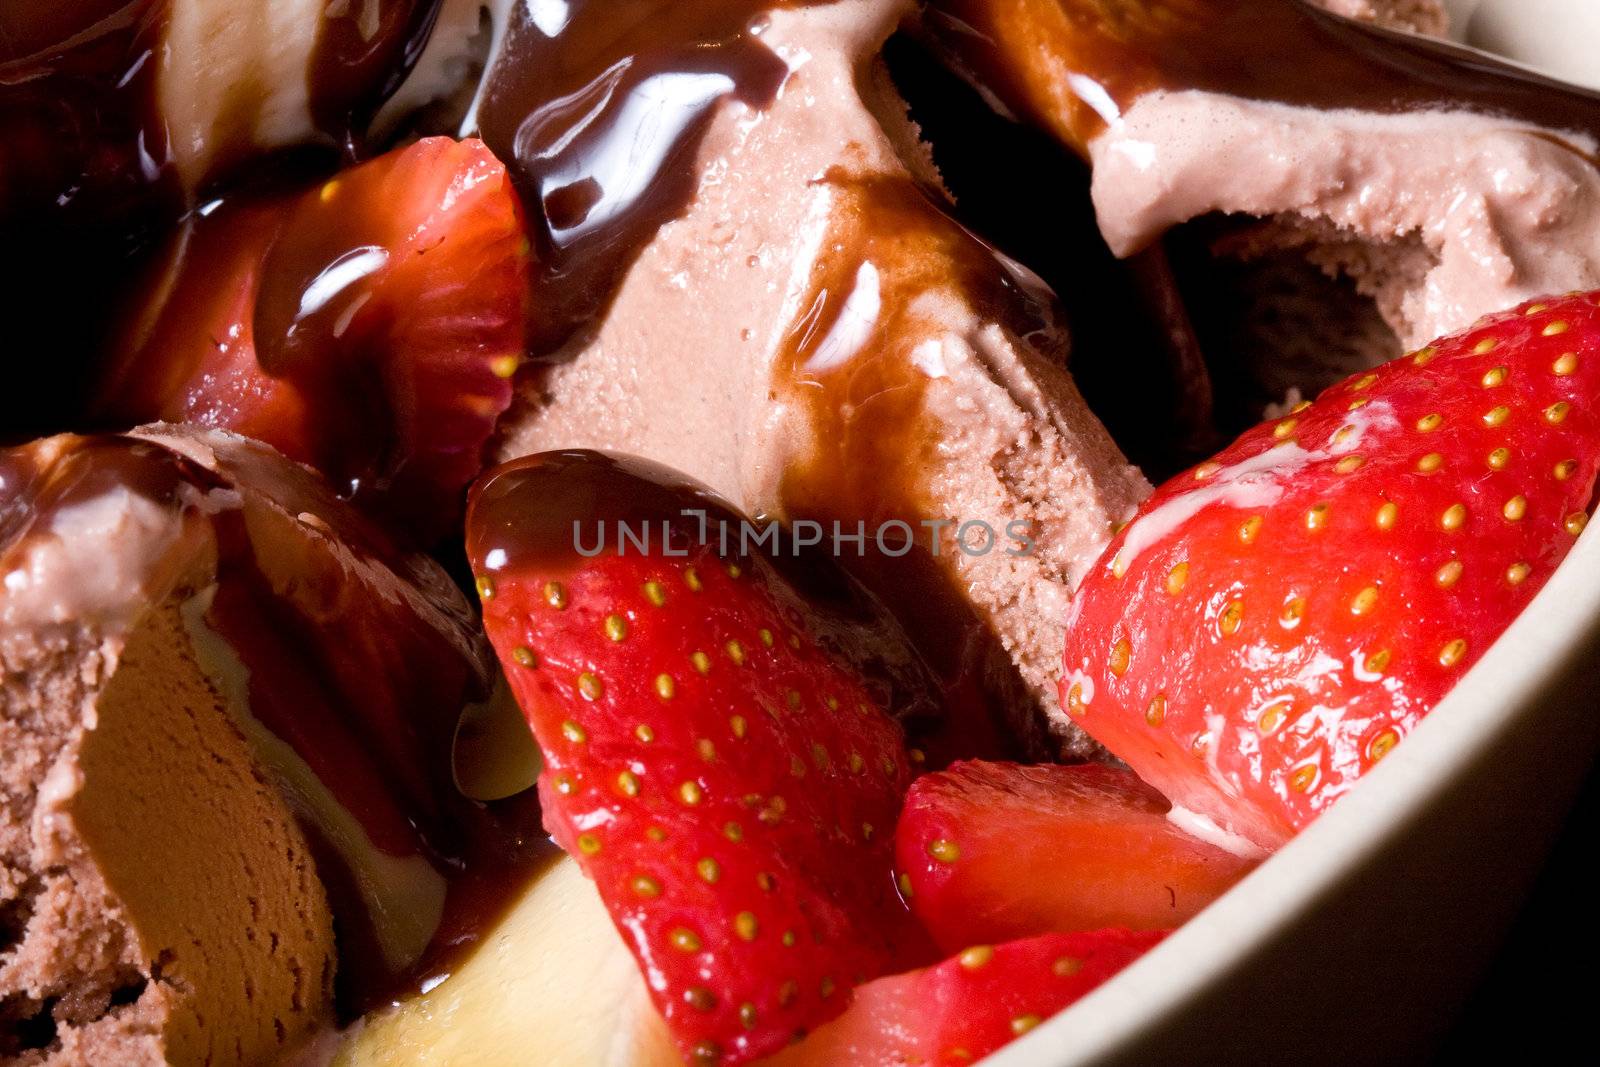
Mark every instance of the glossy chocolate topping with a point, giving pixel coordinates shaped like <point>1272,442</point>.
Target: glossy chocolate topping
<point>845,358</point>
<point>598,106</point>
<point>78,146</point>
<point>365,48</point>
<point>76,106</point>
<point>78,109</point>
<point>1126,320</point>
<point>357,659</point>
<point>271,250</point>
<point>1286,51</point>
<point>88,177</point>
<point>524,517</point>
<point>330,321</point>
<point>29,28</point>
<point>847,365</point>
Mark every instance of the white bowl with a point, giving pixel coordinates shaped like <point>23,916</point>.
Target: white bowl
<point>1360,940</point>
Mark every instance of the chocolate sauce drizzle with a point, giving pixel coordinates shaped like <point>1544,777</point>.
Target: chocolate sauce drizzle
<point>30,28</point>
<point>1285,51</point>
<point>88,182</point>
<point>862,392</point>
<point>598,107</point>
<point>523,514</point>
<point>291,282</point>
<point>85,184</point>
<point>77,107</point>
<point>359,658</point>
<point>364,51</point>
<point>1066,67</point>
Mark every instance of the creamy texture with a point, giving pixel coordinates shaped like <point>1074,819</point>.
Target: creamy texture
<point>240,77</point>
<point>1256,482</point>
<point>1418,16</point>
<point>227,706</point>
<point>143,921</point>
<point>439,93</point>
<point>1438,183</point>
<point>1503,211</point>
<point>1204,829</point>
<point>807,264</point>
<point>99,561</point>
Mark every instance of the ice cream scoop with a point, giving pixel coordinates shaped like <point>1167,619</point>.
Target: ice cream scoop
<point>227,711</point>
<point>1444,183</point>
<point>795,320</point>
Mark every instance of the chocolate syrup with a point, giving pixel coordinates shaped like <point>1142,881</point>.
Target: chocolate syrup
<point>1065,66</point>
<point>27,29</point>
<point>88,182</point>
<point>1125,317</point>
<point>359,658</point>
<point>365,48</point>
<point>1285,51</point>
<point>84,185</point>
<point>847,365</point>
<point>598,107</point>
<point>178,329</point>
<point>523,515</point>
<point>77,83</point>
<point>270,310</point>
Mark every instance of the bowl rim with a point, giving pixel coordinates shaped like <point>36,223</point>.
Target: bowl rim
<point>1498,693</point>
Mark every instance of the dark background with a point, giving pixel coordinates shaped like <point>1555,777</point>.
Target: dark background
<point>1537,1004</point>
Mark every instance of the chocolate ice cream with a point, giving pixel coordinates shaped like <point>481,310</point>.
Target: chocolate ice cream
<point>799,324</point>
<point>1443,183</point>
<point>228,710</point>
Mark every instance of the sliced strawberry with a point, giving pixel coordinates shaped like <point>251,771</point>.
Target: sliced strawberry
<point>1273,622</point>
<point>368,327</point>
<point>991,852</point>
<point>961,1010</point>
<point>713,760</point>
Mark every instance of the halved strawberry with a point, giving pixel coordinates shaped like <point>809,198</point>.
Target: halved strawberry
<point>961,1010</point>
<point>1273,622</point>
<point>990,852</point>
<point>369,327</point>
<point>713,759</point>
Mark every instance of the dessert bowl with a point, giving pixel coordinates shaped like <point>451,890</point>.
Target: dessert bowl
<point>1359,941</point>
<point>731,285</point>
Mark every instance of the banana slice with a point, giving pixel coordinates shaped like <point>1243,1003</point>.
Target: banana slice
<point>552,984</point>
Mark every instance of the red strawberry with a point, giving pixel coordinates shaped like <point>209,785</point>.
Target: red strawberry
<point>990,852</point>
<point>961,1010</point>
<point>1273,622</point>
<point>368,327</point>
<point>713,761</point>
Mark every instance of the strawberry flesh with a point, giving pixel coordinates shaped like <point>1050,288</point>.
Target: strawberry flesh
<point>722,771</point>
<point>992,852</point>
<point>961,1010</point>
<point>368,327</point>
<point>1273,622</point>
